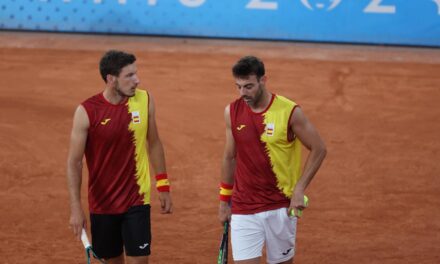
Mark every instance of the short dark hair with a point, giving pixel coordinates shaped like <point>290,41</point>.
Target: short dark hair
<point>113,61</point>
<point>248,65</point>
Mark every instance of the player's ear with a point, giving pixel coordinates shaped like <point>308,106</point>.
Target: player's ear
<point>263,79</point>
<point>110,78</point>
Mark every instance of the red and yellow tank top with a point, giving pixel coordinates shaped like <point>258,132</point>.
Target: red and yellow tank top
<point>116,153</point>
<point>268,156</point>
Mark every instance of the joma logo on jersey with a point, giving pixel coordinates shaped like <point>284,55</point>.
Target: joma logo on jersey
<point>105,121</point>
<point>135,117</point>
<point>240,127</point>
<point>270,129</point>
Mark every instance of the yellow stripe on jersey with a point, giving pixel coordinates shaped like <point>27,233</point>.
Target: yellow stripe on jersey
<point>285,156</point>
<point>138,109</point>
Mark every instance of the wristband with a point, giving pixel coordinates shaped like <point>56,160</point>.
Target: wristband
<point>225,192</point>
<point>162,182</point>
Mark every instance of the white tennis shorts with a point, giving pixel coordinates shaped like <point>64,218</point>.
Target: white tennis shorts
<point>275,228</point>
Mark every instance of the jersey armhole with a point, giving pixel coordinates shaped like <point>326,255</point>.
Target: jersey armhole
<point>90,116</point>
<point>231,114</point>
<point>290,135</point>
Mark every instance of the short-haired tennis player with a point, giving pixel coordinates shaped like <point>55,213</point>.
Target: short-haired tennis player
<point>113,129</point>
<point>261,171</point>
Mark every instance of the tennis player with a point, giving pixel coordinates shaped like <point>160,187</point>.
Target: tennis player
<point>261,168</point>
<point>113,129</point>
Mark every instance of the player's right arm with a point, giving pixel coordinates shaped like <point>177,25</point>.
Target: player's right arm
<point>78,140</point>
<point>228,166</point>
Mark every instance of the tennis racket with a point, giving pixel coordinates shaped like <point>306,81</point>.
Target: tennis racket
<point>223,252</point>
<point>88,248</point>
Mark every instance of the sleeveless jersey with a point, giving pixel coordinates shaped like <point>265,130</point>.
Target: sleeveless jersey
<point>116,153</point>
<point>268,156</point>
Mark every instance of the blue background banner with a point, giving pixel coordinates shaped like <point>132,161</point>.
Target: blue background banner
<point>400,22</point>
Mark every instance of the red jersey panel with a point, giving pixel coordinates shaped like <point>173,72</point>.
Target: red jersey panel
<point>111,155</point>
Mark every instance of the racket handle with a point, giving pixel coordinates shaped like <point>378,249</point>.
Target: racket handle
<point>226,226</point>
<point>85,239</point>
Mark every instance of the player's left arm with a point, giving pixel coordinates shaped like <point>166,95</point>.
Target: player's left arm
<point>310,138</point>
<point>157,156</point>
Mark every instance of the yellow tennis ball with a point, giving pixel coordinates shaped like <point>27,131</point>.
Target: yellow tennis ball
<point>298,211</point>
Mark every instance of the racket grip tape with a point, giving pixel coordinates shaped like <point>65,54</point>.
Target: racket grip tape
<point>85,239</point>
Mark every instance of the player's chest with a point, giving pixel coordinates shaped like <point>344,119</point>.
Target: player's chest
<point>116,122</point>
<point>267,128</point>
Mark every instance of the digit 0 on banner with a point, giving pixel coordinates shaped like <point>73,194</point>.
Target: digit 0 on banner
<point>380,21</point>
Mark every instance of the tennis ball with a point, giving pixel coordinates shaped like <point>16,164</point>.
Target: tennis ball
<point>298,211</point>
<point>306,200</point>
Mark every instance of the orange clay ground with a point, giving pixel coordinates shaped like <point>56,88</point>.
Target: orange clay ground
<point>376,199</point>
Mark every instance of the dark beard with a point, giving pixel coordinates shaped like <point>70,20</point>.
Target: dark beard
<point>122,93</point>
<point>257,97</point>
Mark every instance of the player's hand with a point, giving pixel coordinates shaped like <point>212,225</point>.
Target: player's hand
<point>224,212</point>
<point>166,203</point>
<point>296,203</point>
<point>77,221</point>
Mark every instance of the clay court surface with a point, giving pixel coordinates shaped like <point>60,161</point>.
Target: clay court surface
<point>375,200</point>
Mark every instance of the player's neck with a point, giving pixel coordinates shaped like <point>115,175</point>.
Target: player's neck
<point>112,96</point>
<point>263,103</point>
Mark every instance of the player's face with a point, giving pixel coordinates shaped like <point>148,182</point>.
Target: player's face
<point>127,81</point>
<point>251,89</point>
